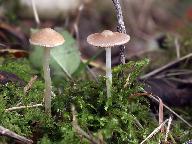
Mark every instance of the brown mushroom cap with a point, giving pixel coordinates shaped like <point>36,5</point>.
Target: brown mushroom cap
<point>47,37</point>
<point>108,39</point>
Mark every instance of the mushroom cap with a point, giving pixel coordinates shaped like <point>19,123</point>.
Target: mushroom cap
<point>108,39</point>
<point>47,37</point>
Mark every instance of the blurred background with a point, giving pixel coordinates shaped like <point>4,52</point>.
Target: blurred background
<point>152,24</point>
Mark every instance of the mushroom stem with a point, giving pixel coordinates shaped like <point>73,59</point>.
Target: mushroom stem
<point>108,71</point>
<point>47,78</point>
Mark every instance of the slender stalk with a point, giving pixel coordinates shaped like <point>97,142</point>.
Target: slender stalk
<point>47,78</point>
<point>120,27</point>
<point>108,71</point>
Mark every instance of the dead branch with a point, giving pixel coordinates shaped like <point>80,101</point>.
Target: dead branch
<point>9,133</point>
<point>157,100</point>
<point>80,131</point>
<point>161,113</point>
<point>171,73</point>
<point>35,13</point>
<point>168,128</point>
<point>171,64</point>
<point>155,131</point>
<point>30,84</point>
<point>177,47</point>
<point>127,81</point>
<point>168,108</point>
<point>23,107</point>
<point>75,28</point>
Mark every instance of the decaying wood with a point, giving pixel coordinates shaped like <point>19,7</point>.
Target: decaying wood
<point>9,133</point>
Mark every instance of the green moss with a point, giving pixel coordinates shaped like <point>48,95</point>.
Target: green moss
<point>20,67</point>
<point>119,119</point>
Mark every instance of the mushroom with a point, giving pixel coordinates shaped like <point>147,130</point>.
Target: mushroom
<point>47,38</point>
<point>108,39</point>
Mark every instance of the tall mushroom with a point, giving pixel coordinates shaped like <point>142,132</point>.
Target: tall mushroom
<point>108,39</point>
<point>47,38</point>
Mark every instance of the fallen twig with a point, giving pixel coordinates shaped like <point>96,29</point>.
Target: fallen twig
<point>93,75</point>
<point>168,108</point>
<point>9,133</point>
<point>168,128</point>
<point>75,28</point>
<point>177,46</point>
<point>155,131</point>
<point>80,131</point>
<point>174,73</point>
<point>35,13</point>
<point>127,81</point>
<point>156,71</point>
<point>177,115</point>
<point>23,107</point>
<point>138,94</point>
<point>30,84</point>
<point>137,122</point>
<point>161,113</point>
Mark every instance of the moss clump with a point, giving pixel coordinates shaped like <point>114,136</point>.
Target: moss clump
<point>118,119</point>
<point>19,67</point>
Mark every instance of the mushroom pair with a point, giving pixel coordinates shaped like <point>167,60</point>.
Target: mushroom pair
<point>108,39</point>
<point>47,38</point>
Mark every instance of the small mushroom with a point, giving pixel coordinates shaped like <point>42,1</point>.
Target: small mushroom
<point>47,38</point>
<point>108,39</point>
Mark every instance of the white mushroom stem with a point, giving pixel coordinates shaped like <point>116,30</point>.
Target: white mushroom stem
<point>47,78</point>
<point>108,71</point>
